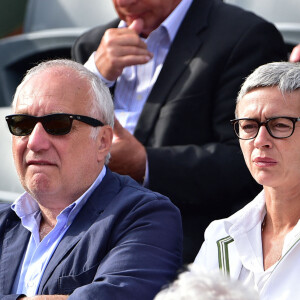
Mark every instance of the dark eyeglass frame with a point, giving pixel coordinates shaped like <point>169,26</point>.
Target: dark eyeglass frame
<point>235,121</point>
<point>44,120</point>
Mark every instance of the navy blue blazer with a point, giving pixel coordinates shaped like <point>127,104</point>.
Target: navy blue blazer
<point>125,243</point>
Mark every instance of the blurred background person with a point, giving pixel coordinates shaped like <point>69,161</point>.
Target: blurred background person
<point>196,284</point>
<point>175,68</point>
<point>259,245</point>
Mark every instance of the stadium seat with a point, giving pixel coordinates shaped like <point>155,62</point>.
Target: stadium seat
<point>51,14</point>
<point>284,14</point>
<point>50,29</point>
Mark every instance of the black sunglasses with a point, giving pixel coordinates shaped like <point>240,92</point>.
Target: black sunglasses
<point>54,124</point>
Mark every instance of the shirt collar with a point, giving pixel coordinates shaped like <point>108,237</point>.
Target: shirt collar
<point>27,208</point>
<point>173,21</point>
<point>248,217</point>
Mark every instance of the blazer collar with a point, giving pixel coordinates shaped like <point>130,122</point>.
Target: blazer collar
<point>186,44</point>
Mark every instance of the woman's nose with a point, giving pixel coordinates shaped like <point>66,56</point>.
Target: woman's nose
<point>263,138</point>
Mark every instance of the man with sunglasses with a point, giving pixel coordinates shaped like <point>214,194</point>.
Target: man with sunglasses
<point>79,231</point>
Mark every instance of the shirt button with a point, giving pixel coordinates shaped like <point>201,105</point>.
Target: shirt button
<point>139,97</point>
<point>30,284</point>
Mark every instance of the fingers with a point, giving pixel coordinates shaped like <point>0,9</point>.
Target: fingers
<point>295,55</point>
<point>137,25</point>
<point>122,37</point>
<point>120,48</point>
<point>128,56</point>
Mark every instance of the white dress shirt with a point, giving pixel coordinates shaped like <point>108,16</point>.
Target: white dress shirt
<point>244,254</point>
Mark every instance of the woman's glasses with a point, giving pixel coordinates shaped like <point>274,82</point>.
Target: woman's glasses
<point>278,127</point>
<point>54,124</point>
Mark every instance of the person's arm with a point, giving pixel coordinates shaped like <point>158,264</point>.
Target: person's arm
<point>295,55</point>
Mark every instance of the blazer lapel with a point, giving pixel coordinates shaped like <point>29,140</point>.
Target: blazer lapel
<point>186,44</point>
<point>83,221</point>
<point>15,240</point>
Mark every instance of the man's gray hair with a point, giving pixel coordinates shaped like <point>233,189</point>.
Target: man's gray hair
<point>197,284</point>
<point>284,75</point>
<point>102,104</point>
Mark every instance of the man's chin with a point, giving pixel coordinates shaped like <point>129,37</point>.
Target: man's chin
<point>38,186</point>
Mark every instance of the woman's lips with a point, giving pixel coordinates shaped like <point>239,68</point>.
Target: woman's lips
<point>264,161</point>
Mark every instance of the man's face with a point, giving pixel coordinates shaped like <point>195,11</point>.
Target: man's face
<point>153,12</point>
<point>52,167</point>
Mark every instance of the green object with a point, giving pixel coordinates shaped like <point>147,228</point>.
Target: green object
<point>223,255</point>
<point>12,14</point>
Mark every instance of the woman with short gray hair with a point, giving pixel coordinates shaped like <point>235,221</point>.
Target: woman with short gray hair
<point>260,244</point>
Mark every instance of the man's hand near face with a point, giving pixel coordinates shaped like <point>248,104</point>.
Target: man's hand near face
<point>128,155</point>
<point>120,48</point>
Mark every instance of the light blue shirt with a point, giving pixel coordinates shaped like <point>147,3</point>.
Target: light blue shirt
<point>136,82</point>
<point>38,253</point>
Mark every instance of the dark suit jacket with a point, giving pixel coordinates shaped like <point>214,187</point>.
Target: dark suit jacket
<point>125,243</point>
<point>194,156</point>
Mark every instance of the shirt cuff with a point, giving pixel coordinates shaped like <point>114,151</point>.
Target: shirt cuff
<point>91,66</point>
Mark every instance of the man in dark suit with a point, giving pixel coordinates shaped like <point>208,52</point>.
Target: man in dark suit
<point>80,231</point>
<point>179,140</point>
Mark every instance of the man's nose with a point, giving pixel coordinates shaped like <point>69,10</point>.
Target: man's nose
<point>38,139</point>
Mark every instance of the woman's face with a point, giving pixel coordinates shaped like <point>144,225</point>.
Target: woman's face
<point>272,162</point>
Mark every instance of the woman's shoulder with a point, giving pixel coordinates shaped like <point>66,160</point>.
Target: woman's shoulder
<point>222,228</point>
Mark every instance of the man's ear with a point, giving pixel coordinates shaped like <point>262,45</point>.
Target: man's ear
<point>104,141</point>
